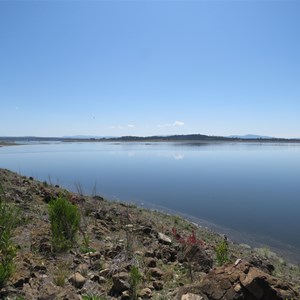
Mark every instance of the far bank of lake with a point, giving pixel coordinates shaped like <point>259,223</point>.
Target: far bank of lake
<point>247,190</point>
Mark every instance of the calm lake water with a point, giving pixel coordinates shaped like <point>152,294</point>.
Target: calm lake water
<point>250,191</point>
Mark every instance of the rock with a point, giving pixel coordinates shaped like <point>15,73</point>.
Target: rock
<point>19,283</point>
<point>197,256</point>
<point>150,262</point>
<point>147,230</point>
<point>125,295</point>
<point>164,239</point>
<point>258,284</point>
<point>244,281</point>
<point>138,253</point>
<point>120,284</point>
<point>129,226</point>
<point>97,278</point>
<point>156,273</point>
<point>48,195</point>
<point>246,246</point>
<point>145,293</point>
<point>77,280</point>
<point>20,278</point>
<point>190,296</point>
<point>43,245</point>
<point>104,272</point>
<point>8,290</point>
<point>40,268</point>
<point>83,269</point>
<point>49,291</point>
<point>262,264</point>
<point>95,255</point>
<point>122,275</point>
<point>102,280</point>
<point>91,288</point>
<point>158,285</point>
<point>237,288</point>
<point>149,253</point>
<point>99,198</point>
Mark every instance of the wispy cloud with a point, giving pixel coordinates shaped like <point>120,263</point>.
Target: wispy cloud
<point>176,123</point>
<point>131,126</point>
<point>116,127</point>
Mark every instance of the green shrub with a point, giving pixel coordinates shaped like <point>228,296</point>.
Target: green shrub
<point>222,253</point>
<point>65,221</point>
<point>8,222</point>
<point>135,280</point>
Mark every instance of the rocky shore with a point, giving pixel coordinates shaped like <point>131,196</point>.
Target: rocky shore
<point>173,258</point>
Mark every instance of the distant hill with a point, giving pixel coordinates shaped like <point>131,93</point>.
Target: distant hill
<point>251,136</point>
<point>155,138</point>
<point>186,137</point>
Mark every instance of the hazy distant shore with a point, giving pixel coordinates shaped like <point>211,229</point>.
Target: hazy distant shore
<point>7,144</point>
<point>190,138</point>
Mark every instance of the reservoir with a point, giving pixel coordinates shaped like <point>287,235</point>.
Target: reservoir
<point>249,191</point>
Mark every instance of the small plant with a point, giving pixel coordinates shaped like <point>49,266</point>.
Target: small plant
<point>61,273</point>
<point>8,222</point>
<point>129,241</point>
<point>79,188</point>
<point>176,219</point>
<point>222,253</point>
<point>92,297</point>
<point>45,183</point>
<point>8,253</point>
<point>65,221</point>
<point>1,189</point>
<point>265,251</point>
<point>190,240</point>
<point>188,246</point>
<point>135,280</point>
<point>85,248</point>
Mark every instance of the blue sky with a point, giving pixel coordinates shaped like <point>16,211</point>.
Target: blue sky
<point>112,68</point>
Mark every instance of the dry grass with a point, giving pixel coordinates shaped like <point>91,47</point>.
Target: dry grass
<point>62,273</point>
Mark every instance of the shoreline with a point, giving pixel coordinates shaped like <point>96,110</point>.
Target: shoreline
<point>246,240</point>
<point>110,226</point>
<point>6,144</point>
<point>254,241</point>
<point>289,253</point>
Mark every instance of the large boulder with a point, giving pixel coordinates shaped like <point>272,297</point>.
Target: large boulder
<point>240,281</point>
